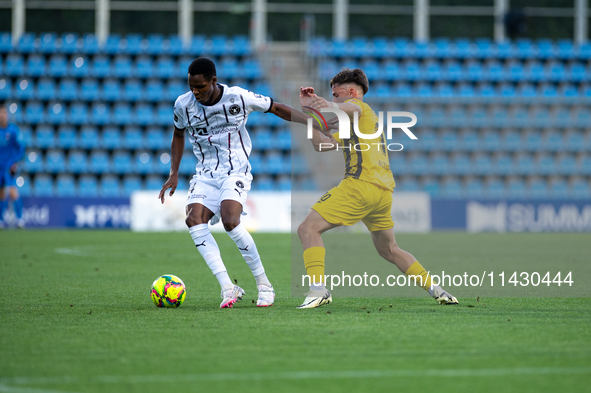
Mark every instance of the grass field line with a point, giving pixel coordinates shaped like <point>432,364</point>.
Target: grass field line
<point>287,375</point>
<point>13,389</point>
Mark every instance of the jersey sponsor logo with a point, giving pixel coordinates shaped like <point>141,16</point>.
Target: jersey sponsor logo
<point>201,131</point>
<point>234,110</point>
<point>240,184</point>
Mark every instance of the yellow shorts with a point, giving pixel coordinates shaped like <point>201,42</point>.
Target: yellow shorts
<point>355,200</point>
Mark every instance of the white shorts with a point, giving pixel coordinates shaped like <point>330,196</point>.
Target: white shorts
<point>211,192</point>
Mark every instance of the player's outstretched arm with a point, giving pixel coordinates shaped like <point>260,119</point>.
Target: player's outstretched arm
<point>177,146</point>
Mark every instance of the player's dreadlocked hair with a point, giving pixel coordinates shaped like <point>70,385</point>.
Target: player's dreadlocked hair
<point>203,66</point>
<point>347,75</point>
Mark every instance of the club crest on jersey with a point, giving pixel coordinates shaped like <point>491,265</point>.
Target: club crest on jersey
<point>240,184</point>
<point>234,110</point>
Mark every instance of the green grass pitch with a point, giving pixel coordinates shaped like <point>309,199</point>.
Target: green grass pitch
<point>76,316</point>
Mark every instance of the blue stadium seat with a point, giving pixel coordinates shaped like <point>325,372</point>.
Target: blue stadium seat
<point>121,163</point>
<point>132,138</point>
<point>89,137</point>
<point>582,117</point>
<point>474,188</point>
<point>143,67</point>
<point>89,90</point>
<point>154,90</point>
<point>499,116</point>
<point>484,48</point>
<point>197,45</point>
<point>44,137</point>
<point>34,113</point>
<point>398,163</point>
<point>555,72</point>
<point>532,141</point>
<point>56,113</point>
<point>486,90</point>
<point>5,89</point>
<point>174,46</point>
<point>78,114</point>
<point>524,165</point>
<point>155,139</point>
<point>494,72</point>
<point>453,72</point>
<point>43,186</point>
<point>553,141</point>
<point>113,45</point>
<point>568,90</point>
<point>110,90</point>
<point>431,186</point>
<point>452,188</point>
<point>526,90</point>
<point>559,189</point>
<point>55,161</point>
<point>576,72</point>
<point>449,140</point>
<point>427,140</point>
<point>66,137</point>
<point>131,183</point>
<point>121,67</point>
<point>68,43</point>
<point>256,163</point>
<point>163,115</point>
<point>122,114</point>
<point>241,45</point>
<point>263,183</point>
<point>77,162</point>
<point>574,141</point>
<point>444,90</point>
<point>90,44</point>
<point>161,163</point>
<point>584,166</point>
<point>474,72</point>
<point>566,50</point>
<point>417,164</point>
<point>524,49</point>
<point>164,67</point>
<point>515,72</point>
<point>99,162</point>
<point>46,89</point>
<point>24,187</point>
<point>67,90</point>
<point>545,165</point>
<point>109,186</point>
<point>516,189</point>
<point>47,43</point>
<point>567,164</point>
<point>502,165</point>
<point>154,182</point>
<point>402,90</point>
<point>100,114</point>
<point>534,72</point>
<point>58,66</point>
<point>282,139</point>
<point>133,44</point>
<point>548,90</point>
<point>132,90</point>
<point>580,189</point>
<point>27,43</point>
<point>173,89</point>
<point>111,138</point>
<point>79,67</point>
<point>33,162</point>
<point>143,114</point>
<point>507,90</point>
<point>5,42</point>
<point>251,69</point>
<point>482,165</point>
<point>469,141</point>
<point>65,186</point>
<point>24,90</point>
<point>87,186</point>
<point>101,67</point>
<point>227,68</point>
<point>537,189</point>
<point>460,165</point>
<point>26,135</point>
<point>284,184</point>
<point>154,44</point>
<point>188,164</point>
<point>143,162</point>
<point>407,183</point>
<point>35,66</point>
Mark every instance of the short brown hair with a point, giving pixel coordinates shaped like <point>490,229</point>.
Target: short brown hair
<point>347,75</point>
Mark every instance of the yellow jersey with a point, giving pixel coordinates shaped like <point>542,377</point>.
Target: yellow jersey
<point>368,164</point>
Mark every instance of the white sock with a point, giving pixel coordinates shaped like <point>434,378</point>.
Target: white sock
<point>209,250</point>
<point>249,252</point>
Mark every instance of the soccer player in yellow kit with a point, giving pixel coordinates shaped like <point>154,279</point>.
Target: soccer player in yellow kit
<point>365,194</point>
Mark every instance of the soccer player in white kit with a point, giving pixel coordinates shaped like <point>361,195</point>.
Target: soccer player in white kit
<point>214,115</point>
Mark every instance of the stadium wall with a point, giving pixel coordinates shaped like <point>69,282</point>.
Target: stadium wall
<point>275,212</point>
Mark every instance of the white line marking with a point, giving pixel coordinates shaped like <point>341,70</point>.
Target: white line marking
<point>10,389</point>
<point>466,372</point>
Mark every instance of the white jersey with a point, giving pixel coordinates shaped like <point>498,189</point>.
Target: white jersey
<point>218,131</point>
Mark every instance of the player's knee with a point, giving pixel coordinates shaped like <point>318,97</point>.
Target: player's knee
<point>190,221</point>
<point>230,223</point>
<point>303,230</point>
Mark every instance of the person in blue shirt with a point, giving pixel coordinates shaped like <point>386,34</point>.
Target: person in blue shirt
<point>11,151</point>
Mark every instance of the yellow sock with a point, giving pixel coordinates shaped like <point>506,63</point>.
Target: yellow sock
<point>314,261</point>
<point>415,270</point>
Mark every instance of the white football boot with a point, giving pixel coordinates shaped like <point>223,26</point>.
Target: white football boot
<point>442,296</point>
<point>316,298</point>
<point>231,296</point>
<point>266,296</point>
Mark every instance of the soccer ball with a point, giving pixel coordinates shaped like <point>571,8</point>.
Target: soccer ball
<point>168,291</point>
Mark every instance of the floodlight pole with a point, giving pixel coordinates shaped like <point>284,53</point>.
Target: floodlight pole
<point>421,20</point>
<point>18,20</point>
<point>581,18</point>
<point>501,8</point>
<point>259,23</point>
<point>186,21</point>
<point>102,20</point>
<point>340,19</point>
